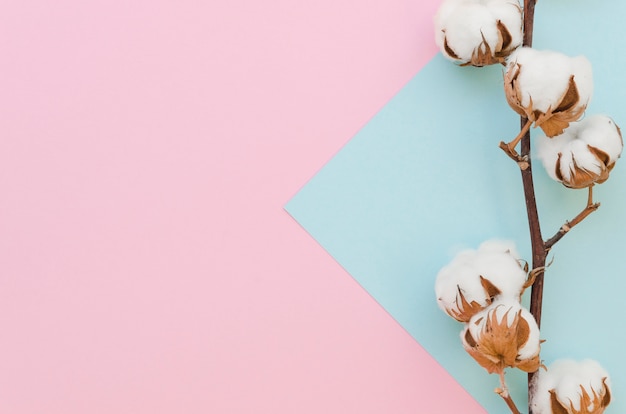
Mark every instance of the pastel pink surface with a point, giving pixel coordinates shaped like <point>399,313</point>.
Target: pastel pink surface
<point>146,262</point>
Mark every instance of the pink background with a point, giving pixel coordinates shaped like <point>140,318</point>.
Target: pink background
<point>146,263</point>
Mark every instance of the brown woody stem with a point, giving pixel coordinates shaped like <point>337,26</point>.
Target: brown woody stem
<point>539,251</point>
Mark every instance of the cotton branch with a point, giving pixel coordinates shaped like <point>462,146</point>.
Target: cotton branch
<point>469,33</point>
<point>539,247</point>
<point>565,228</point>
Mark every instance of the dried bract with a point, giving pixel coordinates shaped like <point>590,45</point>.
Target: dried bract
<point>475,278</point>
<point>584,154</point>
<point>478,32</point>
<point>548,88</point>
<point>501,336</point>
<point>571,387</point>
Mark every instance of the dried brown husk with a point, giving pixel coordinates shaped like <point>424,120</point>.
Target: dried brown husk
<point>499,343</point>
<point>582,178</point>
<point>553,121</point>
<point>599,402</point>
<point>468,309</point>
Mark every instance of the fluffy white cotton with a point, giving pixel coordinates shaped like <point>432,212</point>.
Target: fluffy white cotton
<point>544,77</point>
<point>496,261</point>
<point>499,246</point>
<point>509,13</point>
<point>463,30</point>
<point>598,131</point>
<point>462,24</point>
<point>566,377</point>
<point>601,132</point>
<point>531,347</point>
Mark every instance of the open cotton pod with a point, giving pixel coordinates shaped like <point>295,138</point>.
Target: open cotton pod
<point>584,154</point>
<point>503,335</point>
<point>478,32</point>
<point>548,88</point>
<point>474,278</point>
<point>571,387</point>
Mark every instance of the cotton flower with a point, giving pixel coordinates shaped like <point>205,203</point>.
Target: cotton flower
<point>571,387</point>
<point>548,88</point>
<point>503,335</point>
<point>584,154</point>
<point>474,278</point>
<point>478,32</point>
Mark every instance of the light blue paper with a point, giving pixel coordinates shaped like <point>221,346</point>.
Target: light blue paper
<point>426,178</point>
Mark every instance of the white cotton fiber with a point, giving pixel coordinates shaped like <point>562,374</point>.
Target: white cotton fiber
<point>565,378</point>
<point>600,131</point>
<point>544,77</point>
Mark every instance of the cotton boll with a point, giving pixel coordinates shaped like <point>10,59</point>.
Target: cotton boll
<point>466,29</point>
<point>549,88</point>
<point>472,280</point>
<point>529,348</point>
<point>478,32</point>
<point>571,386</point>
<point>544,78</point>
<point>584,154</point>
<point>503,335</point>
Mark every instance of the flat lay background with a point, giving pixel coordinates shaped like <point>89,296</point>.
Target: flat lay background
<point>240,207</point>
<point>147,265</point>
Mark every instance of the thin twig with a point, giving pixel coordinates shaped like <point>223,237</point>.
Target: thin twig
<point>589,208</point>
<point>509,148</point>
<point>503,392</point>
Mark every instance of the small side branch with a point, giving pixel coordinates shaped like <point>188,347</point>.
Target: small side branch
<point>503,392</point>
<point>509,148</point>
<point>565,228</point>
